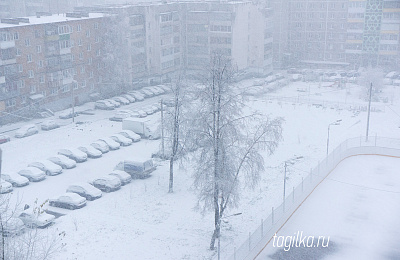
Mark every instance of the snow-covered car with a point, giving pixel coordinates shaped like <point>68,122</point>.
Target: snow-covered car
<point>68,114</point>
<point>165,88</point>
<point>33,174</point>
<point>141,113</point>
<point>13,226</point>
<point>137,95</point>
<point>74,154</point>
<point>104,105</point>
<point>122,140</point>
<point>36,220</point>
<point>49,125</point>
<point>85,190</point>
<point>159,90</point>
<point>68,200</point>
<point>26,130</point>
<point>129,97</point>
<point>155,90</point>
<point>63,161</point>
<point>15,179</point>
<point>91,151</point>
<point>5,187</point>
<point>170,102</point>
<point>111,143</point>
<point>124,177</point>
<point>107,183</point>
<point>131,135</point>
<point>4,139</point>
<point>113,102</point>
<point>48,167</point>
<point>101,146</point>
<point>120,115</point>
<point>147,93</point>
<point>121,100</point>
<point>150,110</point>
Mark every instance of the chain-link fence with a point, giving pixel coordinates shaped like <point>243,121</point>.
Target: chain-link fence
<point>279,215</point>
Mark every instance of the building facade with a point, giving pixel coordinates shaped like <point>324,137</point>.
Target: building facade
<point>46,59</point>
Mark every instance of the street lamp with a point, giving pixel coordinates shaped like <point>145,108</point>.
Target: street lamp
<point>337,122</point>
<point>219,235</point>
<point>73,100</point>
<point>290,161</point>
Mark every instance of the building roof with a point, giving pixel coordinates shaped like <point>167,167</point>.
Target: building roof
<point>55,18</point>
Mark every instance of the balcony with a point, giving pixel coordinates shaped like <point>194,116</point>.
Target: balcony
<point>7,44</point>
<point>2,80</point>
<point>66,81</point>
<point>65,51</point>
<point>8,62</point>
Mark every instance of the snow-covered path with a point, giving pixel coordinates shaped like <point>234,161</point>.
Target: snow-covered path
<point>357,206</point>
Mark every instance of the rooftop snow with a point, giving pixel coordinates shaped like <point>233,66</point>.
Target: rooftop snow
<point>55,18</point>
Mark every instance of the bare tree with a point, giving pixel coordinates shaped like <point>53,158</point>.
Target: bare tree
<point>229,141</point>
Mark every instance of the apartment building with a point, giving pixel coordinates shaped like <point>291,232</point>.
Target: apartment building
<point>344,33</point>
<point>44,59</point>
<point>169,38</point>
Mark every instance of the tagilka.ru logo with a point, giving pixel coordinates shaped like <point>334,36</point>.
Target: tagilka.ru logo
<point>298,240</point>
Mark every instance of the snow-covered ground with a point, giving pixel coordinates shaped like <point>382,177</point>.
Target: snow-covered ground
<point>143,221</point>
<point>361,220</point>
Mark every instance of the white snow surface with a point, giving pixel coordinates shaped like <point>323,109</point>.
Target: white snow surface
<point>142,220</point>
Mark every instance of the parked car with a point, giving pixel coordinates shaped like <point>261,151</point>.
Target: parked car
<point>131,135</point>
<point>137,169</point>
<point>4,139</point>
<point>5,186</point>
<point>149,110</point>
<point>68,200</point>
<point>159,90</point>
<point>15,179</point>
<point>48,167</point>
<point>101,146</point>
<point>74,154</point>
<point>129,97</point>
<point>63,161</point>
<point>165,88</point>
<point>122,140</point>
<point>68,114</point>
<point>124,177</point>
<point>154,90</point>
<point>120,115</point>
<point>13,226</point>
<point>170,102</point>
<point>26,130</point>
<point>113,102</point>
<point>36,220</point>
<point>91,151</point>
<point>137,95</point>
<point>141,113</point>
<point>121,100</point>
<point>49,125</point>
<point>104,105</point>
<point>107,183</point>
<point>85,190</point>
<point>111,143</point>
<point>33,174</point>
<point>147,93</point>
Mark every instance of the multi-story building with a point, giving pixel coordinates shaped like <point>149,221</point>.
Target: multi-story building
<point>46,59</point>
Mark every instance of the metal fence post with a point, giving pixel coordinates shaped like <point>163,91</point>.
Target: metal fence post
<point>272,215</point>
<point>262,228</point>
<point>234,253</point>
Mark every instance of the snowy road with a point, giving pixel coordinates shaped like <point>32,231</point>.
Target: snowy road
<point>357,206</point>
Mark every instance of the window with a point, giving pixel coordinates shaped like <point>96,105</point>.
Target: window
<point>90,61</point>
<point>21,84</point>
<point>97,39</point>
<point>75,85</point>
<point>82,69</point>
<point>64,29</point>
<point>79,42</point>
<point>65,44</point>
<point>33,89</point>
<point>98,52</point>
<point>27,42</point>
<point>31,74</point>
<point>42,79</point>
<point>89,47</point>
<point>81,55</point>
<point>20,68</point>
<point>88,33</point>
<point>53,91</point>
<point>40,64</point>
<point>11,102</point>
<point>96,25</point>
<point>29,58</point>
<point>38,49</point>
<point>91,74</point>
<point>16,36</point>
<point>23,99</point>
<point>37,34</point>
<point>78,28</point>
<point>83,84</point>
<point>18,52</point>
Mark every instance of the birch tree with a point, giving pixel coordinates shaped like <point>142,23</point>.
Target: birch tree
<point>229,141</point>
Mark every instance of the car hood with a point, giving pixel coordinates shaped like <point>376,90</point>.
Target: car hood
<point>44,217</point>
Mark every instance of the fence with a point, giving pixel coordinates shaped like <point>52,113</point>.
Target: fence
<point>279,215</point>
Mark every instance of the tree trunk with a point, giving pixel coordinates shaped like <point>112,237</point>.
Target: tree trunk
<point>171,175</point>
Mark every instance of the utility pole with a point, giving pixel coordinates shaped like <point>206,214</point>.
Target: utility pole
<point>162,129</point>
<point>73,102</point>
<point>369,111</point>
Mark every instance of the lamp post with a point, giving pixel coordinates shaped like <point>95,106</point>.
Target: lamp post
<point>369,111</point>
<point>337,122</point>
<point>73,100</point>
<point>219,235</point>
